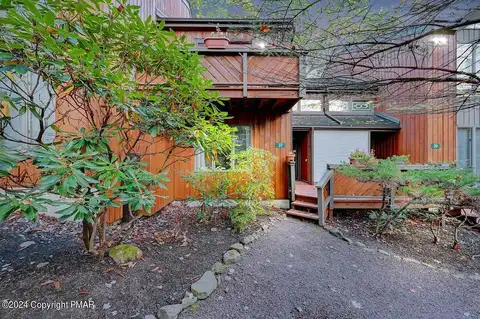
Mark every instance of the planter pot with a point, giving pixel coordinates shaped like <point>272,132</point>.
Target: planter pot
<point>354,161</point>
<point>290,157</point>
<point>217,43</point>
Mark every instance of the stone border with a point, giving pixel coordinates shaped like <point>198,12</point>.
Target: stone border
<point>210,280</point>
<point>337,233</point>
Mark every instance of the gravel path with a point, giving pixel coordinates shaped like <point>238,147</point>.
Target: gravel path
<point>301,271</point>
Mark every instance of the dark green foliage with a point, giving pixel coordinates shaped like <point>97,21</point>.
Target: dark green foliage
<point>126,83</point>
<point>439,187</point>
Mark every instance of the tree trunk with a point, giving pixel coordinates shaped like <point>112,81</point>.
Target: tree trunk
<point>126,214</point>
<point>393,218</point>
<point>435,230</point>
<point>87,234</point>
<point>455,233</point>
<point>101,236</point>
<point>381,210</point>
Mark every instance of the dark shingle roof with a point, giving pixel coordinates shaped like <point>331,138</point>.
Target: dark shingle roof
<point>369,121</point>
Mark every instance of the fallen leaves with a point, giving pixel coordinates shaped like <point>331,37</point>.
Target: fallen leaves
<point>48,282</point>
<point>108,270</point>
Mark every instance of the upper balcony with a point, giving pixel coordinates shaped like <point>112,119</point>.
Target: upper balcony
<point>254,65</point>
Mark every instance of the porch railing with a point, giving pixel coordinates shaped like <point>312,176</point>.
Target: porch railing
<point>325,191</point>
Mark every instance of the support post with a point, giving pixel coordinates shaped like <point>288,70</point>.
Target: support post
<point>291,181</point>
<point>331,191</point>
<point>321,207</point>
<point>326,182</point>
<point>245,74</point>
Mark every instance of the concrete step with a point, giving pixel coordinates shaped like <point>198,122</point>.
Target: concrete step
<point>298,213</point>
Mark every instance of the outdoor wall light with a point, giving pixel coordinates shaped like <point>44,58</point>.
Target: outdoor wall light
<point>439,40</point>
<point>261,45</point>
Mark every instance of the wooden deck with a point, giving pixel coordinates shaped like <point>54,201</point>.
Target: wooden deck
<point>366,196</point>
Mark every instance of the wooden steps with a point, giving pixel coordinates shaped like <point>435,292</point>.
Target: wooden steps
<point>307,199</point>
<point>304,204</point>
<point>302,214</point>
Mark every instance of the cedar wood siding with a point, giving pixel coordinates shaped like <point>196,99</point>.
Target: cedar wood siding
<point>268,128</point>
<point>270,124</point>
<point>423,128</point>
<point>167,8</point>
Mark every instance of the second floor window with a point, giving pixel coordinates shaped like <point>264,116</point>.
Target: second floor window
<point>468,59</point>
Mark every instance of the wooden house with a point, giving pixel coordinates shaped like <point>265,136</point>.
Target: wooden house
<point>418,120</point>
<point>276,107</point>
<point>261,89</point>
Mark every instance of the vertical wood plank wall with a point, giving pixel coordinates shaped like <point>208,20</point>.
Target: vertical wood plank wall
<point>385,144</point>
<point>169,8</point>
<point>269,128</point>
<point>426,110</point>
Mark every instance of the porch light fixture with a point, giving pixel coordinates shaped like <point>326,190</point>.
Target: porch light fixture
<point>439,40</point>
<point>261,45</point>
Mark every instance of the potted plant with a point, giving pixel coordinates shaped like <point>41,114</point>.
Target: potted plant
<point>358,157</point>
<point>291,156</point>
<point>217,40</point>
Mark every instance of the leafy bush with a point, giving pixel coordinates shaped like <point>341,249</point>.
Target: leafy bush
<point>118,82</point>
<point>388,175</point>
<point>448,187</point>
<point>443,187</point>
<point>248,183</point>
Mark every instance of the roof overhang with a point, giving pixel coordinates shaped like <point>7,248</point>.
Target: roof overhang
<point>188,24</point>
<point>372,122</point>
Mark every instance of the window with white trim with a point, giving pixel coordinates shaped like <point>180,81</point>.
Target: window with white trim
<point>242,141</point>
<point>464,147</point>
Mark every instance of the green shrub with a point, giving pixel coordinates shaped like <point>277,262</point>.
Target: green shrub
<point>248,184</point>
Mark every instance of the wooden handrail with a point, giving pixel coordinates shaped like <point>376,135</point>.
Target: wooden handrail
<point>325,178</point>
<point>326,182</point>
<point>408,167</point>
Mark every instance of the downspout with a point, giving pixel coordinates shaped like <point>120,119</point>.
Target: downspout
<point>324,98</point>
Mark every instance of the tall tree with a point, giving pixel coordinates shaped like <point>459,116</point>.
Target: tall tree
<point>110,87</point>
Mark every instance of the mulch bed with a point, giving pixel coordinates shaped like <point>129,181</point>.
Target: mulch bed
<point>413,239</point>
<point>177,251</point>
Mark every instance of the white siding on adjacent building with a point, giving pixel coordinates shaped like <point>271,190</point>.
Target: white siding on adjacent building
<point>335,146</point>
<point>25,127</point>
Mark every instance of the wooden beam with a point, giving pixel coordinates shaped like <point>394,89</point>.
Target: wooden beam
<point>245,74</point>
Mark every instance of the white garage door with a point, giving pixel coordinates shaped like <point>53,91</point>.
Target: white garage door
<point>335,146</point>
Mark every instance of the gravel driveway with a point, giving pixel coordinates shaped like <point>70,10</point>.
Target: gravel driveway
<point>301,271</point>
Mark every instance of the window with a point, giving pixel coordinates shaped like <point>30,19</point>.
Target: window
<point>468,61</point>
<point>242,141</point>
<point>473,26</point>
<point>337,106</point>
<point>24,128</point>
<point>316,104</point>
<point>465,59</point>
<point>464,147</point>
<point>361,106</point>
<point>311,105</point>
